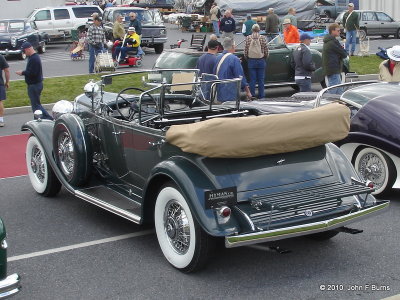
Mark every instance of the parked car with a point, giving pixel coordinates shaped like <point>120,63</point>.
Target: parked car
<point>278,72</point>
<point>164,154</point>
<point>373,144</point>
<point>11,284</point>
<point>375,23</point>
<point>154,32</point>
<point>14,32</point>
<point>58,22</point>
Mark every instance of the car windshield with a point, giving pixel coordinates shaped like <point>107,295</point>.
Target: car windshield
<point>144,16</point>
<point>11,26</point>
<point>276,42</point>
<point>362,94</point>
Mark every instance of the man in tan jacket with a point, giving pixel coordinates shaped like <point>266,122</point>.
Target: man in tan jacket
<point>118,28</point>
<point>389,70</point>
<point>215,15</point>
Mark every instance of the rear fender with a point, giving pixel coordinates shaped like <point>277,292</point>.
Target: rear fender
<point>193,183</point>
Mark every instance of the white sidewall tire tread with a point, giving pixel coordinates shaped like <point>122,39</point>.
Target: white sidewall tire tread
<point>38,186</point>
<point>177,260</point>
<point>385,162</point>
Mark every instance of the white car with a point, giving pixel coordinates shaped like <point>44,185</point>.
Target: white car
<point>58,22</point>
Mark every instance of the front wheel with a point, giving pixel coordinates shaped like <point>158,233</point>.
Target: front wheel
<point>42,49</point>
<point>40,173</point>
<point>22,56</point>
<point>398,33</point>
<point>183,242</point>
<point>375,166</point>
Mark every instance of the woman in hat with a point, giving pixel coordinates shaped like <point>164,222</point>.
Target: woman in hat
<point>389,70</point>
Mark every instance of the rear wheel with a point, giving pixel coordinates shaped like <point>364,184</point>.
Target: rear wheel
<point>40,173</point>
<point>375,166</point>
<point>362,33</point>
<point>183,242</point>
<point>42,48</point>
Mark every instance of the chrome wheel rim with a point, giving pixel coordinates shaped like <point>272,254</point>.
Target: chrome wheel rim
<point>176,226</point>
<point>372,168</point>
<point>37,164</point>
<point>66,154</point>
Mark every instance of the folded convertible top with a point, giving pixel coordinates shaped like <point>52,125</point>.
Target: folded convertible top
<point>262,135</point>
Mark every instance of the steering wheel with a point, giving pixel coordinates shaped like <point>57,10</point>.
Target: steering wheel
<point>132,112</point>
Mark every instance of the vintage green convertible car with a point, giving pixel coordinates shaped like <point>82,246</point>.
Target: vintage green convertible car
<point>9,285</point>
<point>278,72</point>
<point>163,153</point>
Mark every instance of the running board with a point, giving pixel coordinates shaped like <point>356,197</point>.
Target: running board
<point>112,201</point>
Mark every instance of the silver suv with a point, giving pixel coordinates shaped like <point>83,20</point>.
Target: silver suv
<point>375,23</point>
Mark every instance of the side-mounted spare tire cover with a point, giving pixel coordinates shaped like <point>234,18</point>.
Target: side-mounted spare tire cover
<point>72,149</point>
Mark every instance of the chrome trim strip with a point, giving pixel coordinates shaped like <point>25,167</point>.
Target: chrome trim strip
<point>10,286</point>
<point>111,208</point>
<point>289,232</point>
<point>10,52</point>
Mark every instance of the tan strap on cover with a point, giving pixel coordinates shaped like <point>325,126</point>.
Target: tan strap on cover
<point>262,135</point>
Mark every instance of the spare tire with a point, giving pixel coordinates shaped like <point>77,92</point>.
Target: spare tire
<point>72,150</point>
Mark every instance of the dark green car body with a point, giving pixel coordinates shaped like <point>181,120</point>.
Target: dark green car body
<point>111,150</point>
<point>278,71</point>
<point>9,285</point>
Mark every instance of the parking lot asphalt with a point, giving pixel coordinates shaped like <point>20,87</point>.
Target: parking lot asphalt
<point>65,248</point>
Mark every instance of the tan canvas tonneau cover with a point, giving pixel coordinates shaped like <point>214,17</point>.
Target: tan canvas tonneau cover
<point>262,135</point>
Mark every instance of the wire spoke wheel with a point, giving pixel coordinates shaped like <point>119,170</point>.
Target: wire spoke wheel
<point>66,154</point>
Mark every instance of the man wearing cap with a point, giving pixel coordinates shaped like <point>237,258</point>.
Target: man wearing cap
<point>96,39</point>
<point>118,28</point>
<point>290,32</point>
<point>134,22</point>
<point>303,64</point>
<point>3,86</point>
<point>34,78</point>
<point>389,70</point>
<point>351,24</point>
<point>132,40</point>
<point>207,61</point>
<point>271,24</point>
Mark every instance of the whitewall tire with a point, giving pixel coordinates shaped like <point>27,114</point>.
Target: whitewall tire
<point>41,175</point>
<point>184,244</point>
<point>375,166</point>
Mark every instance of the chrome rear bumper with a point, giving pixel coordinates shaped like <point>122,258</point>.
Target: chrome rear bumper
<point>10,286</point>
<point>289,232</point>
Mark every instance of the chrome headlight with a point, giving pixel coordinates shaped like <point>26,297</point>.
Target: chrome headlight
<point>4,244</point>
<point>163,31</point>
<point>13,41</point>
<point>91,89</point>
<point>62,107</point>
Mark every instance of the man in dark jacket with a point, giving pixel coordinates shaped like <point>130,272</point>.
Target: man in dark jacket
<point>227,25</point>
<point>303,64</point>
<point>271,24</point>
<point>34,78</point>
<point>351,24</point>
<point>332,57</point>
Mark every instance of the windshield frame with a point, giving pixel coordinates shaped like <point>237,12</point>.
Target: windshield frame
<point>9,29</point>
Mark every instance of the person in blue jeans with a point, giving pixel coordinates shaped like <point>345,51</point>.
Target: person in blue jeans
<point>256,53</point>
<point>34,79</point>
<point>351,21</point>
<point>96,40</point>
<point>332,58</point>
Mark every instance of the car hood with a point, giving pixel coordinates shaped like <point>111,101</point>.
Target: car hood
<point>270,171</point>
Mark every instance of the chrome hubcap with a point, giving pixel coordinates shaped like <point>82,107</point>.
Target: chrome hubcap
<point>37,163</point>
<point>66,154</point>
<point>372,168</point>
<point>176,225</point>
